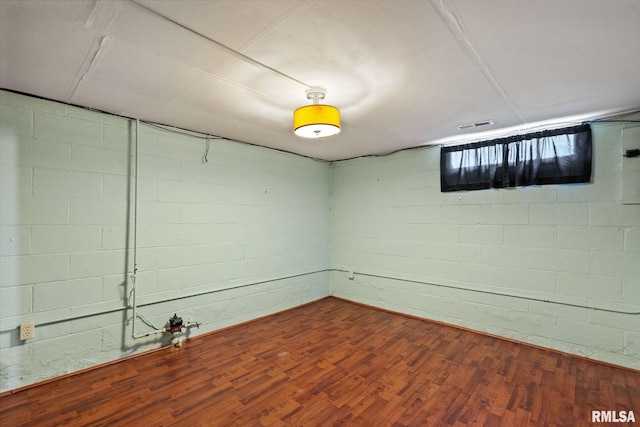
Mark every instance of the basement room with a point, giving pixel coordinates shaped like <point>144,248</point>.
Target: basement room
<point>319,213</point>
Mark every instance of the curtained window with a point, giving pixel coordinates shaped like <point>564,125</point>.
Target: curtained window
<point>558,156</point>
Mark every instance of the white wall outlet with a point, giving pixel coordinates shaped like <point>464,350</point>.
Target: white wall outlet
<point>27,331</point>
<point>350,274</point>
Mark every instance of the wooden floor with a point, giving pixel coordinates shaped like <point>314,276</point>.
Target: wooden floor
<point>333,363</point>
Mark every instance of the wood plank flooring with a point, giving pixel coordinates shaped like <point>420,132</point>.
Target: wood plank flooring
<point>333,363</point>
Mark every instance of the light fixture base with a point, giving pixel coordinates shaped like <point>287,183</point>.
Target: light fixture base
<point>316,93</point>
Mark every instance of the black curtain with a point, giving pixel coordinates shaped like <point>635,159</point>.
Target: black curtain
<point>557,156</point>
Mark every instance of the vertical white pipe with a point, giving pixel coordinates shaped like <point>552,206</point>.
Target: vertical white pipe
<point>135,235</point>
<point>134,305</point>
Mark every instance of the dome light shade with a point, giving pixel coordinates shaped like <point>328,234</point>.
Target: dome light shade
<point>316,121</point>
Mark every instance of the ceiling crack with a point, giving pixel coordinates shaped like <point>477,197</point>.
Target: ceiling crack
<point>99,54</point>
<point>230,51</point>
<point>453,21</point>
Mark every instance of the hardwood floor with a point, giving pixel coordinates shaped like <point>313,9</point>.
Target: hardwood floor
<point>334,363</point>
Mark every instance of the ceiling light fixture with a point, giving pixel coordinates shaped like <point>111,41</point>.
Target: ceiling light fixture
<point>316,120</point>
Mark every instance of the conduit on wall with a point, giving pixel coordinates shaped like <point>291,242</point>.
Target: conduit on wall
<point>132,294</point>
<point>175,298</point>
<point>133,275</point>
<point>482,291</point>
<point>244,285</point>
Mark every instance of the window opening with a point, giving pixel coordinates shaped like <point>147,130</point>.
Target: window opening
<point>556,156</point>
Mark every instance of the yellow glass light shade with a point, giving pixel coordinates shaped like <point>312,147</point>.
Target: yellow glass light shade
<point>316,121</point>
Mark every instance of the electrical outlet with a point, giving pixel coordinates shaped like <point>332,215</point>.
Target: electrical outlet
<point>350,274</point>
<point>27,331</point>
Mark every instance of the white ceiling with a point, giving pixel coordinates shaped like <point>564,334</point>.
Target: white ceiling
<point>404,73</point>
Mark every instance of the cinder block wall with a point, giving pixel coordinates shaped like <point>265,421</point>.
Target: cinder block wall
<point>242,236</point>
<point>248,234</point>
<point>488,260</point>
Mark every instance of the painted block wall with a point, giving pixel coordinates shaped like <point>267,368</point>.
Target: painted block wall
<point>489,260</point>
<point>242,236</point>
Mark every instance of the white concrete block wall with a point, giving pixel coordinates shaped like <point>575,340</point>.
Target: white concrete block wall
<point>571,244</point>
<point>254,215</point>
<point>630,165</point>
<point>248,215</point>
